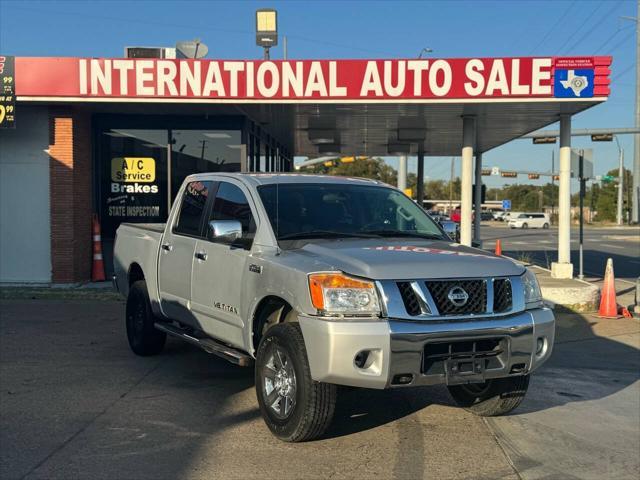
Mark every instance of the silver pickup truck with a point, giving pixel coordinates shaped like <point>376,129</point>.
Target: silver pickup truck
<point>321,281</point>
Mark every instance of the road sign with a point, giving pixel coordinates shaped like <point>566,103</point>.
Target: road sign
<point>495,171</point>
<point>587,162</point>
<point>602,137</point>
<point>538,140</point>
<point>607,178</point>
<point>506,204</point>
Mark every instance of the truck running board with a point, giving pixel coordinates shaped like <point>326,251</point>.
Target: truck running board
<point>207,344</point>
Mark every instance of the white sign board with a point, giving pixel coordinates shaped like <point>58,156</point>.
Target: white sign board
<point>495,171</point>
<point>587,163</point>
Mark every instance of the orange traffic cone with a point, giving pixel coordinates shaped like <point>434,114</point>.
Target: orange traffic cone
<point>608,303</point>
<point>498,247</point>
<point>97,269</point>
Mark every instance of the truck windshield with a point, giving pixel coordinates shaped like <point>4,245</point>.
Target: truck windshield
<point>310,210</point>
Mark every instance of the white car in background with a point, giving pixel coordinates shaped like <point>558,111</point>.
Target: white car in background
<point>529,220</point>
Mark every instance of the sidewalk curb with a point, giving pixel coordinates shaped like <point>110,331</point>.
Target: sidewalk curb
<point>581,298</point>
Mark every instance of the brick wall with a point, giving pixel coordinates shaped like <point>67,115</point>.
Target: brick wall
<point>70,182</point>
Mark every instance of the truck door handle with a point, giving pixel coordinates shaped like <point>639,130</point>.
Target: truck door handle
<point>201,256</point>
<point>167,247</point>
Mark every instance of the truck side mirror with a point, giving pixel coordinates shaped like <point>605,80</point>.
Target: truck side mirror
<point>224,231</point>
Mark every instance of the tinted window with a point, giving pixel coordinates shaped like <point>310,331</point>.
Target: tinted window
<point>317,210</point>
<point>192,208</point>
<point>232,204</point>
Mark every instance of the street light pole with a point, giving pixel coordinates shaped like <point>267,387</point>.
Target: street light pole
<point>635,212</point>
<point>620,182</point>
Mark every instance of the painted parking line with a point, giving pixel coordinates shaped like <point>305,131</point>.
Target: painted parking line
<point>611,246</point>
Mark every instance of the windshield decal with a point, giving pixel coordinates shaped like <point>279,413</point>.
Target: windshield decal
<point>438,251</point>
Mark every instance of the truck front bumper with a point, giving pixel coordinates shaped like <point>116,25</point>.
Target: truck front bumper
<point>391,353</point>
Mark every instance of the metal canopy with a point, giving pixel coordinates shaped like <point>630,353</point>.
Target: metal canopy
<point>369,129</point>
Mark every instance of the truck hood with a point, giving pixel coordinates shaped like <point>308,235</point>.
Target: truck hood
<point>399,259</point>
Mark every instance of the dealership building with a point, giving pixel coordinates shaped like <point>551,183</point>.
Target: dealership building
<point>115,137</point>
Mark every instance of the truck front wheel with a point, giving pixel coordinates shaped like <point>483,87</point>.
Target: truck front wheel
<point>493,397</point>
<point>294,407</point>
<point>144,338</point>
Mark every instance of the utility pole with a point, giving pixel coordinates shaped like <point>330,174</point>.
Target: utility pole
<point>620,183</point>
<point>635,212</point>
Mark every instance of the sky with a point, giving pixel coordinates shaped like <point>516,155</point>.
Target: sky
<point>361,29</point>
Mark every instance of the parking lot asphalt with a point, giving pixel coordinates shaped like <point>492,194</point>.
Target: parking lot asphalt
<point>76,403</point>
<point>540,247</point>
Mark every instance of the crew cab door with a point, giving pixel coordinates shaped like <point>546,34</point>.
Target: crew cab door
<point>175,262</point>
<point>217,282</point>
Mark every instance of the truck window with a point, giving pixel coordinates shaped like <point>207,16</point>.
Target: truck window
<point>299,209</point>
<point>231,204</point>
<point>192,208</point>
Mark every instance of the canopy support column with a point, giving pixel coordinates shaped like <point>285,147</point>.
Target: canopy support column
<point>477,198</point>
<point>563,267</point>
<point>402,173</point>
<point>468,145</point>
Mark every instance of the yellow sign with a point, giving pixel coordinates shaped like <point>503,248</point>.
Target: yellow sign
<point>133,169</point>
<point>408,192</point>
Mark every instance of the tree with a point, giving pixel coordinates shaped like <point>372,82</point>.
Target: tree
<point>374,168</point>
<point>607,196</point>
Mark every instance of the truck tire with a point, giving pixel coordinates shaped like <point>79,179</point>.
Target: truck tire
<point>144,338</point>
<point>492,398</point>
<point>294,407</point>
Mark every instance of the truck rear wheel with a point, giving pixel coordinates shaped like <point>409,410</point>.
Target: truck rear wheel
<point>294,407</point>
<point>144,338</point>
<point>493,397</point>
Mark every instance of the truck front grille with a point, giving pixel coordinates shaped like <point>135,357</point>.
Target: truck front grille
<point>475,289</point>
<point>438,297</point>
<point>409,298</point>
<point>502,295</point>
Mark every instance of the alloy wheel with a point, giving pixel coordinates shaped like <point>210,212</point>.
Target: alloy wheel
<point>279,383</point>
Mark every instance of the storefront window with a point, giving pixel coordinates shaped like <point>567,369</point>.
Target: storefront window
<point>198,151</point>
<point>133,177</point>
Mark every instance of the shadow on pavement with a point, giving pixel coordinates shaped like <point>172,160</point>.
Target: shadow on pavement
<point>77,403</point>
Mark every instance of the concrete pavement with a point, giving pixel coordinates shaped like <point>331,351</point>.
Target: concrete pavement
<point>75,403</point>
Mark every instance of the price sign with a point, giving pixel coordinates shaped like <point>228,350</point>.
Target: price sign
<point>7,92</point>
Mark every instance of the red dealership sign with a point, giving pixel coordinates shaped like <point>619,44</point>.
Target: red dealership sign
<point>102,79</point>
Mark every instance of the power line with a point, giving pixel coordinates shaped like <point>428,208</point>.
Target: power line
<point>595,25</point>
<point>200,27</point>
<point>552,29</point>
<point>599,49</point>
<point>582,25</point>
<point>621,41</point>
<point>623,72</point>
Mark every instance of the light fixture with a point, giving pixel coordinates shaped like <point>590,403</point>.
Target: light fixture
<point>411,129</point>
<point>322,135</point>
<point>397,148</point>
<point>217,135</point>
<point>329,149</point>
<point>266,29</point>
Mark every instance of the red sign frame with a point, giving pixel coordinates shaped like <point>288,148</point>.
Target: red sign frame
<point>398,80</point>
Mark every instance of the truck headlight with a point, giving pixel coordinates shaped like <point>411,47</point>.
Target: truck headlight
<point>340,294</point>
<point>532,293</point>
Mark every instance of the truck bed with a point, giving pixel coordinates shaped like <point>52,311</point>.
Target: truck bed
<point>153,227</point>
<point>138,244</point>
